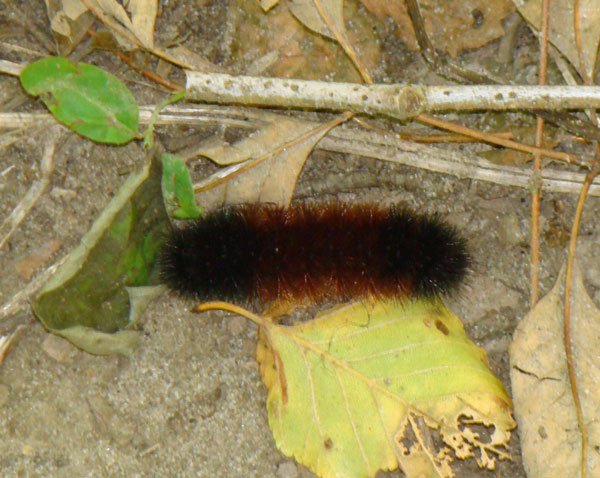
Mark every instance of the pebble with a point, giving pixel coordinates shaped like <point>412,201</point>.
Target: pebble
<point>59,349</point>
<point>287,469</point>
<point>510,233</point>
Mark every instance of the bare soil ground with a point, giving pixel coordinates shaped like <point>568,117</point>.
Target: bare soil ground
<point>189,401</point>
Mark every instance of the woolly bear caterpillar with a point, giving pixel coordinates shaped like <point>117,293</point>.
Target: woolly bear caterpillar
<point>259,253</point>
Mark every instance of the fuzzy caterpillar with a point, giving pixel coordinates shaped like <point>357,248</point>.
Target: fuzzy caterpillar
<point>260,253</point>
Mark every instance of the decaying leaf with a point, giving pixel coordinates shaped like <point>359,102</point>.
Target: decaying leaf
<point>365,386</point>
<point>284,142</point>
<point>277,44</point>
<point>327,18</point>
<point>562,31</point>
<point>139,21</point>
<point>309,13</point>
<point>101,290</point>
<point>69,21</point>
<point>453,25</point>
<point>544,408</point>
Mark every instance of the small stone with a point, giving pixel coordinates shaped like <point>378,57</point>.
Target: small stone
<point>510,233</point>
<point>62,193</point>
<point>287,469</point>
<point>59,349</point>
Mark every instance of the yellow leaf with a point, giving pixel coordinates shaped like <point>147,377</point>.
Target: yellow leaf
<point>359,389</point>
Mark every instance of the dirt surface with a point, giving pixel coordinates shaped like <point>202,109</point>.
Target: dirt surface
<point>189,401</point>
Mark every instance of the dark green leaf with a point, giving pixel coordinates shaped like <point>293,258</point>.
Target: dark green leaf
<point>101,288</point>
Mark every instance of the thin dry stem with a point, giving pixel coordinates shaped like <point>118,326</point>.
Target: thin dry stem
<point>571,258</point>
<point>493,139</point>
<point>372,144</point>
<point>567,319</point>
<point>537,165</point>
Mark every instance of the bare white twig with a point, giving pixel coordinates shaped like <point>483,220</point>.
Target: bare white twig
<point>397,100</point>
<point>11,67</point>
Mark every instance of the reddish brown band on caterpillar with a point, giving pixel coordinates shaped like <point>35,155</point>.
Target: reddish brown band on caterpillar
<point>315,251</point>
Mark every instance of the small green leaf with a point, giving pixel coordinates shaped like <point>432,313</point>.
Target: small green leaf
<point>101,290</point>
<point>177,189</point>
<point>87,99</point>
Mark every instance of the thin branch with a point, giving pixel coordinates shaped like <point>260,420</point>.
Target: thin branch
<point>11,68</point>
<point>567,319</point>
<point>396,100</point>
<point>371,144</point>
<point>571,258</point>
<point>493,139</point>
<point>537,165</point>
<point>387,148</point>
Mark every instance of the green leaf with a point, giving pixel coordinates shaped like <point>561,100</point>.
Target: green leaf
<point>87,99</point>
<point>110,277</point>
<point>352,391</point>
<point>177,189</point>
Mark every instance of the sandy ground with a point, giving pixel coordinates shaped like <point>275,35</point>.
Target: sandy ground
<point>189,401</point>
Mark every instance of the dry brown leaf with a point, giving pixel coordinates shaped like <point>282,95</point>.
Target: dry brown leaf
<point>327,18</point>
<point>140,24</point>
<point>453,25</point>
<point>266,5</point>
<point>544,408</point>
<point>272,180</point>
<point>277,44</point>
<point>69,22</point>
<point>562,31</point>
<point>277,131</point>
<point>307,12</point>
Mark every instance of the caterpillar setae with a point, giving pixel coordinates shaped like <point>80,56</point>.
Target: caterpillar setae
<point>259,253</point>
